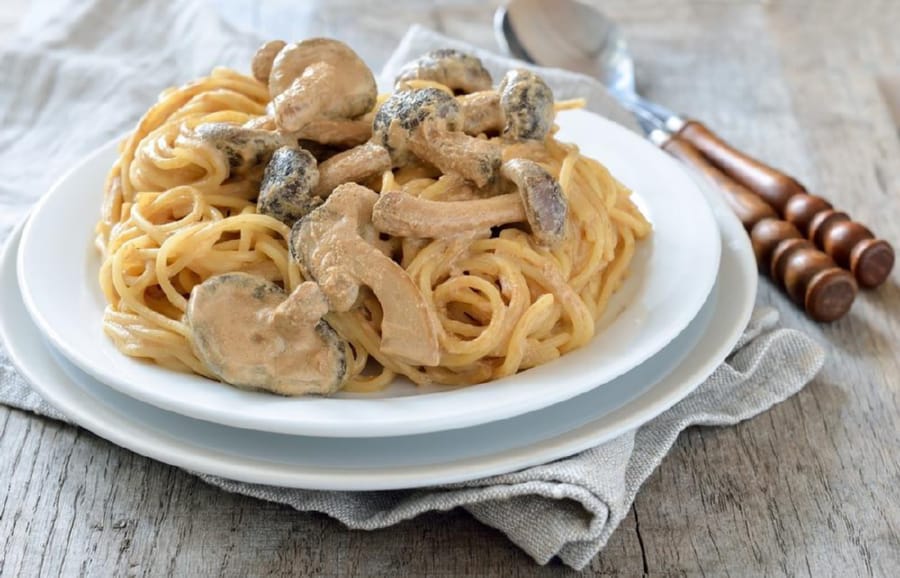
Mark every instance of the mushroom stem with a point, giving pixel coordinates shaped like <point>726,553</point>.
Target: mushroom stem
<point>425,123</point>
<point>307,304</point>
<point>398,213</point>
<point>352,166</point>
<point>481,112</point>
<point>457,152</point>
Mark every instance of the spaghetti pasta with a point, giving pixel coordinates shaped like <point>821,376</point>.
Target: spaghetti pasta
<point>175,215</point>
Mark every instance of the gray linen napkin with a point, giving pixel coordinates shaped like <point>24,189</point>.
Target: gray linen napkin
<point>76,77</point>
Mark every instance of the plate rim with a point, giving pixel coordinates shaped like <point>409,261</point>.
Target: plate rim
<point>412,407</point>
<point>207,461</point>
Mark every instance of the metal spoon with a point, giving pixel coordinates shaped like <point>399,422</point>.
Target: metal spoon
<point>572,35</point>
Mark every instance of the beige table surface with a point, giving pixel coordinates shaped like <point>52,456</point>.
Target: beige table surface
<point>811,487</point>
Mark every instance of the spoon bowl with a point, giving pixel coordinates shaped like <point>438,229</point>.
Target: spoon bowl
<point>566,34</point>
<point>576,36</point>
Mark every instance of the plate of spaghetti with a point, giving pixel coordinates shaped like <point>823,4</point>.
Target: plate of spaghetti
<point>291,251</point>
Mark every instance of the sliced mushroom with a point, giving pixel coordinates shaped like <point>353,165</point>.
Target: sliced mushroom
<point>286,188</point>
<point>328,246</point>
<point>249,333</point>
<point>454,69</point>
<point>539,201</point>
<point>243,147</point>
<point>426,123</point>
<point>352,166</point>
<point>527,104</point>
<point>319,78</point>
<point>545,204</point>
<point>262,60</point>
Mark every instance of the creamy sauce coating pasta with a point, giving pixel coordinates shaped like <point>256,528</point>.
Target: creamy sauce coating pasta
<point>175,215</point>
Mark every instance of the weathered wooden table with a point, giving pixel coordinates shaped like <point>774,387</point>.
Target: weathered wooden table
<point>811,487</point>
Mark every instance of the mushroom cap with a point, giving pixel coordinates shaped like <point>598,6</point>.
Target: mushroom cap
<point>452,68</point>
<point>405,111</point>
<point>350,83</point>
<point>243,147</point>
<point>237,333</point>
<point>286,188</point>
<point>545,204</point>
<point>527,104</point>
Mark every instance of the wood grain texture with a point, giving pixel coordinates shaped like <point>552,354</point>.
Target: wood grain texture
<point>810,488</point>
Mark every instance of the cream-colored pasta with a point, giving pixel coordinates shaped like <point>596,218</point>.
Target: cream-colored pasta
<point>174,215</point>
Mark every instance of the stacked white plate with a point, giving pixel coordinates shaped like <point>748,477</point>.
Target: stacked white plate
<point>686,301</point>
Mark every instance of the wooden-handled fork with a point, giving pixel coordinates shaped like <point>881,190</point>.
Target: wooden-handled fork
<point>850,243</point>
<point>809,276</point>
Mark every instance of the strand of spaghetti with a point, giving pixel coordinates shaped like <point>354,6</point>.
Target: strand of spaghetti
<point>175,99</point>
<point>203,236</point>
<point>130,301</point>
<point>565,169</point>
<point>538,353</point>
<point>463,351</point>
<point>616,270</point>
<point>579,315</point>
<point>570,104</point>
<point>129,323</point>
<point>161,203</point>
<point>370,383</point>
<point>538,314</point>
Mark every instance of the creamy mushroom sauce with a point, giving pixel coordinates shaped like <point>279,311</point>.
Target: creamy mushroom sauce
<point>293,158</point>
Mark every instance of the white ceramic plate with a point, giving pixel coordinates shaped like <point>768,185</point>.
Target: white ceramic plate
<point>673,273</point>
<point>399,462</point>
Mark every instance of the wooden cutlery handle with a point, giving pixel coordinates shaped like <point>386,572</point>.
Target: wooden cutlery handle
<point>806,274</point>
<point>849,243</point>
<point>775,187</point>
<point>749,208</point>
